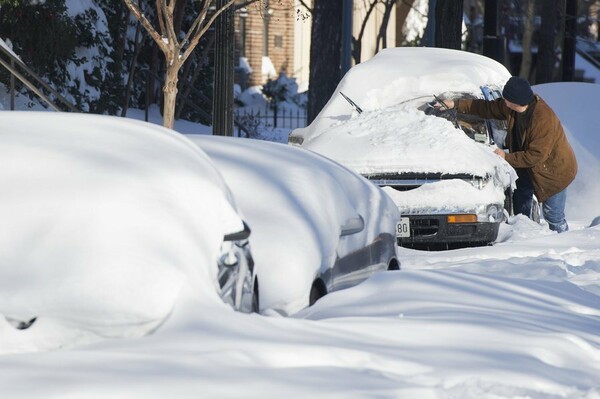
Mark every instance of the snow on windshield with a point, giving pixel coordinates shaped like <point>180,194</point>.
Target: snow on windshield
<point>395,75</point>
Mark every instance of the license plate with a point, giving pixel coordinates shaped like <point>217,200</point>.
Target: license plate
<point>403,228</point>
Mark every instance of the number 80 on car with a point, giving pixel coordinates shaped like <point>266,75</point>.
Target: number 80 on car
<point>403,228</point>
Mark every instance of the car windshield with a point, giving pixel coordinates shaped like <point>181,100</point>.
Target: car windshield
<point>473,126</point>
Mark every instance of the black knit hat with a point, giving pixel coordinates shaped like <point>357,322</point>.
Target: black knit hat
<point>517,91</point>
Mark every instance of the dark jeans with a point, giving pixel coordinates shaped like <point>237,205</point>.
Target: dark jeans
<point>523,194</point>
<point>553,209</point>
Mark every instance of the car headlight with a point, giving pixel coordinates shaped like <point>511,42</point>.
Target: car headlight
<point>494,213</point>
<point>235,275</point>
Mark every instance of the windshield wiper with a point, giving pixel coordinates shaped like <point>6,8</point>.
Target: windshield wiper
<point>453,115</point>
<point>356,107</point>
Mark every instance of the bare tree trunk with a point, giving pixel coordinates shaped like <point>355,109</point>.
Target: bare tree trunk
<point>528,26</point>
<point>170,91</point>
<point>175,50</point>
<point>382,35</point>
<point>357,42</point>
<point>134,60</point>
<point>548,52</point>
<point>325,56</point>
<point>448,24</point>
<point>559,40</point>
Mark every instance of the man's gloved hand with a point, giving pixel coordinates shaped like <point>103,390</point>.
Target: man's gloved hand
<point>442,104</point>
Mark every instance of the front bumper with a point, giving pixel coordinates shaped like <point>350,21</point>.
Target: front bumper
<point>433,232</point>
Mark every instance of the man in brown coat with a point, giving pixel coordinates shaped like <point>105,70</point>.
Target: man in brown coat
<point>538,148</point>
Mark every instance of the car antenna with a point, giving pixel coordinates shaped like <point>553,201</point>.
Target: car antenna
<point>356,107</point>
<point>441,102</point>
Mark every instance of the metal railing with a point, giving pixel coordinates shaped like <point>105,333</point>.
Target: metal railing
<point>589,51</point>
<point>270,117</point>
<point>23,73</point>
<point>244,120</point>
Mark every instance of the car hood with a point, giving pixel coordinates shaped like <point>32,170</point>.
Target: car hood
<point>401,140</point>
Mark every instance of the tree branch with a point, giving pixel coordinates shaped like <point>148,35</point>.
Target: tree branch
<point>201,31</point>
<point>196,24</point>
<point>135,10</point>
<point>309,9</point>
<point>161,21</point>
<point>168,14</point>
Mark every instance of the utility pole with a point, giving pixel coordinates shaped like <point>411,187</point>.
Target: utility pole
<point>222,123</point>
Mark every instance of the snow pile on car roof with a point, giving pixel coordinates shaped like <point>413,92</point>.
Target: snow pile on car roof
<point>104,222</point>
<point>398,74</point>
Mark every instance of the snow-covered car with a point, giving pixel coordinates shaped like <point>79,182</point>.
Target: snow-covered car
<point>106,222</point>
<point>441,171</point>
<point>317,227</point>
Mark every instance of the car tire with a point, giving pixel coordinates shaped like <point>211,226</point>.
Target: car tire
<point>255,298</point>
<point>394,265</point>
<point>317,292</point>
<point>508,201</point>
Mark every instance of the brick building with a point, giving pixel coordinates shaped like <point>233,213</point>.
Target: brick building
<point>273,36</point>
<point>265,41</point>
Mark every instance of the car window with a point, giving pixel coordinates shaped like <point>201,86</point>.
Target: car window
<point>497,127</point>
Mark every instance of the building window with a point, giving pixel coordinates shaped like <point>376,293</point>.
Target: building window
<point>278,41</point>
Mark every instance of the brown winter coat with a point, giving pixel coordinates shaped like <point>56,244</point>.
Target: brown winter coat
<point>546,152</point>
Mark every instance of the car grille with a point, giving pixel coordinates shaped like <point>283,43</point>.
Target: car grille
<point>424,227</point>
<point>410,181</point>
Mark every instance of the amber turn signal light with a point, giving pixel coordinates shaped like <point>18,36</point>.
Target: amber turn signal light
<point>462,218</point>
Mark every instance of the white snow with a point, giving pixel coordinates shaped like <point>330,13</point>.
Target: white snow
<point>576,104</point>
<point>296,203</point>
<point>268,69</point>
<point>416,21</point>
<point>520,319</point>
<point>396,75</point>
<point>98,237</point>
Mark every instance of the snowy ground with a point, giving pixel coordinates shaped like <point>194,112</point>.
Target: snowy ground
<point>520,319</point>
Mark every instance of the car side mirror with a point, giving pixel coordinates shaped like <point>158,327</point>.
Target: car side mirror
<point>238,236</point>
<point>352,226</point>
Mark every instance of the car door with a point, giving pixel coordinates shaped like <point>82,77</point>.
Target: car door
<point>351,267</point>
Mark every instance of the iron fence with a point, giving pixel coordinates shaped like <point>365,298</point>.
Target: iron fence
<point>253,119</point>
